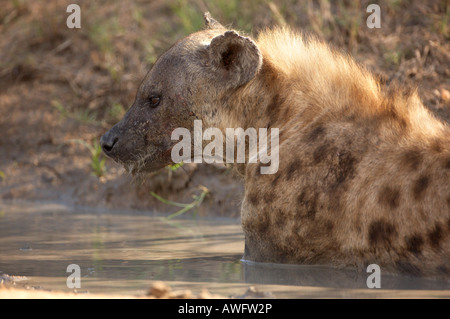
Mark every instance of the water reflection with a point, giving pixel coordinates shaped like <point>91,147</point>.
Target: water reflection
<point>126,251</point>
<point>320,276</point>
<point>119,247</point>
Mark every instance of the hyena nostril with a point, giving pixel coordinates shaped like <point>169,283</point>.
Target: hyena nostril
<point>107,142</point>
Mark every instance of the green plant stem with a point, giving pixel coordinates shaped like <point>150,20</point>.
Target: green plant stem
<point>198,199</point>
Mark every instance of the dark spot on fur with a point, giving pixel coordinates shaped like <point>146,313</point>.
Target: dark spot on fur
<point>273,108</point>
<point>436,146</point>
<point>253,199</point>
<point>420,186</point>
<point>381,233</point>
<point>443,269</point>
<point>448,202</point>
<point>275,179</point>
<point>411,159</point>
<point>293,169</point>
<point>269,197</point>
<point>322,152</point>
<point>316,133</point>
<point>408,268</point>
<point>261,223</point>
<point>435,236</point>
<point>402,122</point>
<point>281,135</point>
<point>414,244</point>
<point>389,197</point>
<point>329,226</point>
<point>346,167</point>
<point>280,218</point>
<point>307,205</point>
<point>447,163</point>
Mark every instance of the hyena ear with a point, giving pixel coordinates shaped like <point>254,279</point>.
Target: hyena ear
<point>234,59</point>
<point>211,23</point>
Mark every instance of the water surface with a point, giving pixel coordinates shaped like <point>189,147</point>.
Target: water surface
<point>124,252</point>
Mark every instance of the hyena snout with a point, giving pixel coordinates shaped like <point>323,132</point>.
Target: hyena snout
<point>108,141</point>
<point>131,146</point>
<point>114,145</point>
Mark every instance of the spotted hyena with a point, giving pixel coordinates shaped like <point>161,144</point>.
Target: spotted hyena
<point>364,170</point>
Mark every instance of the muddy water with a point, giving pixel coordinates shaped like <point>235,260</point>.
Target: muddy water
<point>125,252</point>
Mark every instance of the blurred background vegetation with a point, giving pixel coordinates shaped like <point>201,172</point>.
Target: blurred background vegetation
<point>60,85</point>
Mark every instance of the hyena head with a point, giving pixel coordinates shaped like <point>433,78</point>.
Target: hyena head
<point>186,83</point>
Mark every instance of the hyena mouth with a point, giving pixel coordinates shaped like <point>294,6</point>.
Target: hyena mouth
<point>132,168</point>
<point>137,166</point>
<point>145,163</point>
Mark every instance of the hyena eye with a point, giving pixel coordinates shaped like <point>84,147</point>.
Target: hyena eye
<point>154,101</point>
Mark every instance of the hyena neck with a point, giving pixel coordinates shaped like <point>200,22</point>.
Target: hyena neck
<point>255,104</point>
<point>254,107</point>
